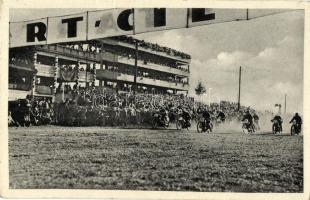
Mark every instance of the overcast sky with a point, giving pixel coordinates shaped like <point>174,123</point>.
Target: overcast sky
<point>269,49</point>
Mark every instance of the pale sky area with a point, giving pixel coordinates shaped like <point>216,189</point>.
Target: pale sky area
<point>270,50</point>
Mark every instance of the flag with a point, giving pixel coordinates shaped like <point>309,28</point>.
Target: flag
<point>68,75</point>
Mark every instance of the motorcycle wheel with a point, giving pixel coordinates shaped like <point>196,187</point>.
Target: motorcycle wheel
<point>274,129</point>
<point>210,128</point>
<point>244,129</point>
<point>293,130</point>
<point>199,127</point>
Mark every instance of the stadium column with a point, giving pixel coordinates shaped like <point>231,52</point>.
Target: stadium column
<point>55,77</point>
<point>101,69</point>
<point>35,56</point>
<point>94,74</point>
<point>136,68</point>
<point>78,73</point>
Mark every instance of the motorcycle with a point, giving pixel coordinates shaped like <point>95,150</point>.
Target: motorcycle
<point>276,128</point>
<point>295,128</point>
<point>204,126</point>
<point>247,127</point>
<point>160,121</point>
<point>181,123</point>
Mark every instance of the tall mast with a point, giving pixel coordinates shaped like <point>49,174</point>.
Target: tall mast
<point>239,93</point>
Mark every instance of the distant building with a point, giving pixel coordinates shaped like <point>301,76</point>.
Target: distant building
<point>108,64</point>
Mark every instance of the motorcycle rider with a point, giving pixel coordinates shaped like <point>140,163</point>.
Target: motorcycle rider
<point>298,120</point>
<point>187,117</point>
<point>207,118</point>
<point>163,114</point>
<point>279,119</point>
<point>248,117</point>
<point>221,115</point>
<point>199,110</point>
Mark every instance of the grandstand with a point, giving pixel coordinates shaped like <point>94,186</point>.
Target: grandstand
<point>52,71</point>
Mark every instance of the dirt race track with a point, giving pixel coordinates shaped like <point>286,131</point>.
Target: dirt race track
<point>143,159</point>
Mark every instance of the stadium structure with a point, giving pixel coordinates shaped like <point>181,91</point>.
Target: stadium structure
<point>117,64</point>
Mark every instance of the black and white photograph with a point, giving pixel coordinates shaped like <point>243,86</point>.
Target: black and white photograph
<point>156,99</point>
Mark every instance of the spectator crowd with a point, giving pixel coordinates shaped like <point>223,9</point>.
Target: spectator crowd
<point>88,106</point>
<point>153,47</point>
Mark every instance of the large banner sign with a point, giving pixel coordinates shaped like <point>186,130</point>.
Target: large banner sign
<point>28,33</point>
<point>114,22</point>
<point>148,20</point>
<point>109,23</point>
<point>67,28</point>
<point>198,17</point>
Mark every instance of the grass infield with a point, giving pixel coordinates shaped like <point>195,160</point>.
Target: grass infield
<point>143,159</point>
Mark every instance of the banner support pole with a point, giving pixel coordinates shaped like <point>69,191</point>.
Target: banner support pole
<point>136,57</point>
<point>187,18</point>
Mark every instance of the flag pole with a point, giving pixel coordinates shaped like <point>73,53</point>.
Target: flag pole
<point>239,88</point>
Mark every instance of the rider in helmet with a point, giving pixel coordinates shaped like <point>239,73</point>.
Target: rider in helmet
<point>248,116</point>
<point>163,113</point>
<point>186,116</point>
<point>297,119</point>
<point>278,118</point>
<point>221,115</point>
<point>207,116</point>
<point>199,110</point>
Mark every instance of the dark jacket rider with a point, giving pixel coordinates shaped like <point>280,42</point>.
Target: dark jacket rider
<point>297,119</point>
<point>278,118</point>
<point>221,115</point>
<point>248,117</point>
<point>186,116</point>
<point>206,115</point>
<point>163,113</point>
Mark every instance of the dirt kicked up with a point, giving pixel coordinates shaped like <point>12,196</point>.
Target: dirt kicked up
<point>143,159</point>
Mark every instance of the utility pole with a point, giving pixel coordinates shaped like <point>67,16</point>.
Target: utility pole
<point>239,88</point>
<point>285,104</point>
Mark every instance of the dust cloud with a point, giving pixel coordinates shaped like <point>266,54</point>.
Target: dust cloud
<point>235,126</point>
